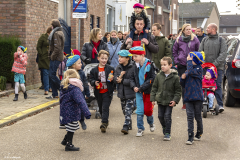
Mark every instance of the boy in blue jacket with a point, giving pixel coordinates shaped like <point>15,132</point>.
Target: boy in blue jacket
<point>191,81</point>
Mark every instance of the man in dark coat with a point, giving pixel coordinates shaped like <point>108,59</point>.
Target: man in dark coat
<point>200,34</point>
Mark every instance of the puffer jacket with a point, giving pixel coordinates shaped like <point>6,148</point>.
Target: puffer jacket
<point>181,50</point>
<point>56,50</point>
<point>124,89</point>
<point>20,63</point>
<point>114,48</point>
<point>144,16</point>
<point>215,50</point>
<point>87,50</point>
<point>166,89</point>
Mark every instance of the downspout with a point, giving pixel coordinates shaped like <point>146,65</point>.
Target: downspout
<point>65,10</point>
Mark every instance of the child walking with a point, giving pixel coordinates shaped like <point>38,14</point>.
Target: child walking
<point>19,69</point>
<point>191,81</point>
<point>101,78</point>
<point>209,80</point>
<point>72,106</point>
<point>122,76</point>
<point>139,11</point>
<point>166,90</point>
<point>141,81</point>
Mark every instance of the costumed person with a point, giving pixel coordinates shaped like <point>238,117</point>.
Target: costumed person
<point>126,94</point>
<point>191,82</point>
<point>141,81</point>
<point>209,80</point>
<point>72,106</point>
<point>139,11</point>
<point>19,69</point>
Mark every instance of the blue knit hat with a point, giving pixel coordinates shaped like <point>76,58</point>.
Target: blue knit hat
<point>124,53</point>
<point>23,49</point>
<point>198,57</point>
<point>72,59</point>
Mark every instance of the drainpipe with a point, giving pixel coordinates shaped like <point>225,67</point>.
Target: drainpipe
<point>65,10</point>
<point>79,24</point>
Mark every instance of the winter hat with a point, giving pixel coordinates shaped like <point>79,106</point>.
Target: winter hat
<point>212,72</point>
<point>198,57</point>
<point>138,5</point>
<point>124,53</point>
<point>23,48</point>
<point>76,52</point>
<point>137,50</point>
<point>72,59</point>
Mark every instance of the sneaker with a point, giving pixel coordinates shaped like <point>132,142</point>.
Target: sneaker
<point>139,133</point>
<point>103,127</point>
<point>62,126</point>
<point>198,136</point>
<point>190,139</point>
<point>221,109</point>
<point>83,124</point>
<point>184,107</point>
<point>70,147</point>
<point>167,137</point>
<point>152,127</point>
<point>211,109</point>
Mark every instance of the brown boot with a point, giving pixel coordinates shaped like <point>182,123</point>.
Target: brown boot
<point>129,45</point>
<point>46,93</point>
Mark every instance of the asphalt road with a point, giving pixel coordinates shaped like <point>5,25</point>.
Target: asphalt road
<point>38,137</point>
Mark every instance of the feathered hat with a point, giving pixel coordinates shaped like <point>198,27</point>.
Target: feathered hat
<point>137,50</point>
<point>198,57</point>
<point>124,53</point>
<point>212,72</point>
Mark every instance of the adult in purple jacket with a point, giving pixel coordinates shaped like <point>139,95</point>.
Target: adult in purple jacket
<point>186,42</point>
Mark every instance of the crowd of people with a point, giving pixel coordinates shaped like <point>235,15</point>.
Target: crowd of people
<point>144,66</point>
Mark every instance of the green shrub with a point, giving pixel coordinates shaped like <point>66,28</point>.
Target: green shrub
<point>8,46</point>
<point>3,81</point>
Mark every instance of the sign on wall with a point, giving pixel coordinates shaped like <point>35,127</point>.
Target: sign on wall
<point>120,14</point>
<point>81,7</point>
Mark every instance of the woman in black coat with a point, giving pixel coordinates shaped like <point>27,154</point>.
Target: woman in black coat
<point>90,49</point>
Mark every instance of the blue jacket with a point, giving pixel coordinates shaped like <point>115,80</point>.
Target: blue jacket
<point>84,80</point>
<point>72,104</point>
<point>192,84</point>
<point>112,48</point>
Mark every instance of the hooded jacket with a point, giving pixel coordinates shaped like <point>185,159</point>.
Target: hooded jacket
<point>166,89</point>
<point>113,57</point>
<point>215,50</point>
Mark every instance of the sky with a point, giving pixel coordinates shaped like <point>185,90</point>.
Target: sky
<point>223,5</point>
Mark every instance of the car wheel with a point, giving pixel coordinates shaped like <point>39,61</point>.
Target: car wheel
<point>228,99</point>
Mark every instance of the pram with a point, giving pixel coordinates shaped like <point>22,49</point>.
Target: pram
<point>206,88</point>
<point>92,103</point>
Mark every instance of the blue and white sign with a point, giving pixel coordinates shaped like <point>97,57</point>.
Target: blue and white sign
<point>82,7</point>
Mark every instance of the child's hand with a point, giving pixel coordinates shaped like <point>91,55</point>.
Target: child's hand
<point>136,89</point>
<point>172,104</point>
<point>184,76</point>
<point>136,32</point>
<point>146,30</point>
<point>214,89</point>
<point>97,83</point>
<point>123,72</point>
<point>189,57</point>
<point>119,80</point>
<point>153,103</point>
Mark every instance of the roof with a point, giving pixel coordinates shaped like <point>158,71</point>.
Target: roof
<point>230,20</point>
<point>196,9</point>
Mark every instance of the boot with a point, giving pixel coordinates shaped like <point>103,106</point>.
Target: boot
<point>83,124</point>
<point>130,125</point>
<point>25,95</point>
<point>64,141</point>
<point>103,127</point>
<point>125,129</point>
<point>16,97</point>
<point>129,45</point>
<point>184,107</point>
<point>190,138</point>
<point>70,147</point>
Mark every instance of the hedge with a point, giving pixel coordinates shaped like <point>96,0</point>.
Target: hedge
<point>8,46</point>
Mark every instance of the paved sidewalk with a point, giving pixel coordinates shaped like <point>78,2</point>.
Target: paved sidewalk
<point>14,110</point>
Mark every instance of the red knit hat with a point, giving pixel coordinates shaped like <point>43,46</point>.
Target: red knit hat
<point>76,52</point>
<point>137,50</point>
<point>138,5</point>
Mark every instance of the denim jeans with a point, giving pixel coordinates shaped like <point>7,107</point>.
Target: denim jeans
<point>210,100</point>
<point>194,109</point>
<point>45,78</point>
<point>104,101</point>
<point>218,92</point>
<point>55,82</point>
<point>140,123</point>
<point>165,117</point>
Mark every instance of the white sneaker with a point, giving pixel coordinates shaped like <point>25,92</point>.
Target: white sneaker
<point>152,127</point>
<point>139,133</point>
<point>221,109</point>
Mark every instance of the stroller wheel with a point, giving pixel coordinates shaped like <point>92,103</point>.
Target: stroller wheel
<point>216,109</point>
<point>97,115</point>
<point>204,111</point>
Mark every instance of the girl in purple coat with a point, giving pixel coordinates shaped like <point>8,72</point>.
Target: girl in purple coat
<point>185,43</point>
<point>72,104</point>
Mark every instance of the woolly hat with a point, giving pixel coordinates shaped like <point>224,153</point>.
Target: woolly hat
<point>23,48</point>
<point>76,52</point>
<point>212,72</point>
<point>124,53</point>
<point>72,59</point>
<point>138,5</point>
<point>198,57</point>
<point>137,50</point>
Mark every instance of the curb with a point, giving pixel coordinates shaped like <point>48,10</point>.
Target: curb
<point>21,115</point>
<point>6,93</point>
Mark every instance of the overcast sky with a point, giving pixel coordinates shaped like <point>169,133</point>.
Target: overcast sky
<point>223,5</point>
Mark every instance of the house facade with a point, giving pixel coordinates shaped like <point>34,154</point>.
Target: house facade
<point>229,25</point>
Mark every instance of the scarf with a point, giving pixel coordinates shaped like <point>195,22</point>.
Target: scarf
<point>186,39</point>
<point>51,34</point>
<point>76,82</point>
<point>94,51</point>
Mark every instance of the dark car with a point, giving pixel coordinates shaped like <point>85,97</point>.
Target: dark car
<point>231,78</point>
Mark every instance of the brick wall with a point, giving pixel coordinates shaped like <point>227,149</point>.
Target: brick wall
<point>29,19</point>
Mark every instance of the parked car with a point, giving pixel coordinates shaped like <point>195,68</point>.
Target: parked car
<point>231,78</point>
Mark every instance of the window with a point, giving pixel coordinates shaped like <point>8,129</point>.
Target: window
<point>188,21</point>
<point>238,29</point>
<point>199,22</point>
<point>159,10</point>
<point>181,23</point>
<point>98,22</point>
<point>91,22</point>
<point>224,30</point>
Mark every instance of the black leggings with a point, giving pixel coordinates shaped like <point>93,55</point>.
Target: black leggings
<point>181,69</point>
<point>104,101</point>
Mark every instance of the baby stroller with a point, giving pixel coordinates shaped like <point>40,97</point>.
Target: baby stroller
<point>206,88</point>
<point>92,103</point>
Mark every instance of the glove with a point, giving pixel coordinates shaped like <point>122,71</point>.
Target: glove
<point>88,117</point>
<point>87,61</point>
